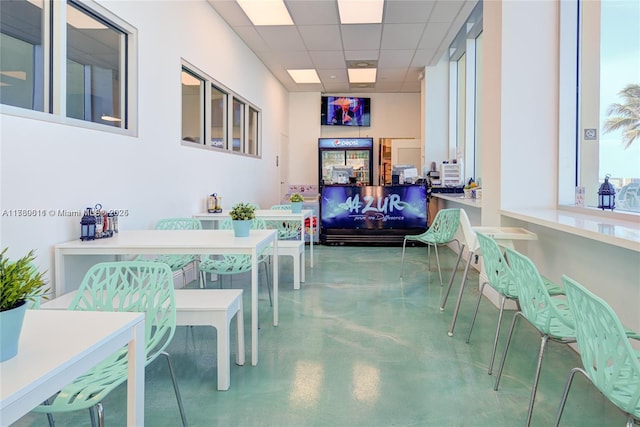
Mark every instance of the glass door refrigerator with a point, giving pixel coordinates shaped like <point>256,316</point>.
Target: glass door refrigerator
<point>345,161</point>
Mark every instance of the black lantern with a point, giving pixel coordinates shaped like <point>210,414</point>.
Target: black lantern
<point>88,226</point>
<point>606,195</point>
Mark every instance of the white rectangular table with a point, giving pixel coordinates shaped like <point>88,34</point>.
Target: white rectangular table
<point>197,242</point>
<point>58,346</point>
<point>209,307</point>
<point>273,215</point>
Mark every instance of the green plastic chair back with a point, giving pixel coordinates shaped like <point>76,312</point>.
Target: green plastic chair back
<point>287,230</point>
<point>126,286</point>
<point>608,358</point>
<point>550,316</point>
<point>229,263</point>
<point>178,261</point>
<point>499,275</point>
<point>442,229</point>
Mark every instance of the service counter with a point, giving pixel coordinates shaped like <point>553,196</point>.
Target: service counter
<point>371,214</point>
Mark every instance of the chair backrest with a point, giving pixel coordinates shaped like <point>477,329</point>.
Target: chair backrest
<point>178,224</point>
<point>607,355</point>
<point>498,273</point>
<point>535,302</point>
<point>256,224</point>
<point>445,224</point>
<point>286,229</point>
<point>281,207</point>
<point>471,241</point>
<point>140,286</point>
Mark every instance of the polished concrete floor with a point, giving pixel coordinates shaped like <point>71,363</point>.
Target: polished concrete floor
<point>358,346</point>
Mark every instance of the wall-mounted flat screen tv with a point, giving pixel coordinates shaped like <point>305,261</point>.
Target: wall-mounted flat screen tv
<point>345,111</point>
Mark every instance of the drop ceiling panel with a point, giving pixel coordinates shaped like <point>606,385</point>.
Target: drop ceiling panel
<point>321,37</point>
<point>413,34</point>
<point>361,36</point>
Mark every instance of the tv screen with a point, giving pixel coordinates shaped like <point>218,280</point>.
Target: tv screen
<point>345,111</point>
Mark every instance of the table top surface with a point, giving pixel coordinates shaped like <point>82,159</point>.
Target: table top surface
<point>52,341</point>
<point>260,213</point>
<point>506,233</point>
<point>173,239</point>
<point>186,299</point>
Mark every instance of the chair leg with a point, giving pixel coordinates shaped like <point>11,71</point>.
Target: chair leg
<point>565,393</point>
<point>183,416</point>
<point>462,285</point>
<point>506,348</point>
<point>100,410</point>
<point>495,338</point>
<point>543,344</point>
<point>404,243</point>
<point>453,275</point>
<point>438,263</point>
<point>475,313</point>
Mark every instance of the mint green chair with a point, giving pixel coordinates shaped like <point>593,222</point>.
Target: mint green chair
<point>287,230</point>
<point>127,286</point>
<point>230,264</point>
<point>441,232</point>
<point>500,278</point>
<point>610,362</point>
<point>179,261</point>
<point>550,316</point>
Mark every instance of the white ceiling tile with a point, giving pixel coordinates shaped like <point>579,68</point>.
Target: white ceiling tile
<point>395,58</point>
<point>445,10</point>
<point>282,38</point>
<point>433,35</point>
<point>328,60</point>
<point>336,75</point>
<point>401,36</point>
<point>313,12</point>
<point>321,37</point>
<point>361,55</point>
<point>361,36</point>
<point>407,11</point>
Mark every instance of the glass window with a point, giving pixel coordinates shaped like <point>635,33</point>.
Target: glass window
<point>252,132</point>
<point>238,125</point>
<point>192,96</point>
<point>95,68</point>
<point>22,54</point>
<point>610,96</point>
<point>211,112</point>
<point>461,118</point>
<point>218,118</point>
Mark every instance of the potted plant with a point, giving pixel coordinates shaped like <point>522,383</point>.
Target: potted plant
<point>20,282</point>
<point>242,214</point>
<point>296,202</point>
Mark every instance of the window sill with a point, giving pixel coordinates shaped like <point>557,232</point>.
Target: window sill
<point>612,230</point>
<point>476,203</point>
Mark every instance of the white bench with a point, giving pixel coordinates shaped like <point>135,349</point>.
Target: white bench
<point>295,249</point>
<point>200,307</point>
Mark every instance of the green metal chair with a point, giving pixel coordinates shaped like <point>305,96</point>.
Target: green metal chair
<point>287,230</point>
<point>610,362</point>
<point>126,286</point>
<point>500,278</point>
<point>441,232</point>
<point>230,264</point>
<point>179,261</point>
<point>550,316</point>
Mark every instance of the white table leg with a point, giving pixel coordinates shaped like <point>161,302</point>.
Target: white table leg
<point>135,380</point>
<point>240,333</point>
<point>224,370</point>
<point>59,274</point>
<point>275,281</point>
<point>254,307</point>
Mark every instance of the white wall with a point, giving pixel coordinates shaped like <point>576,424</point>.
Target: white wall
<point>436,113</point>
<point>53,166</point>
<point>393,115</point>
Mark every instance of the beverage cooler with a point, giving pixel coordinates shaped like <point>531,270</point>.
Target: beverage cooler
<point>345,161</point>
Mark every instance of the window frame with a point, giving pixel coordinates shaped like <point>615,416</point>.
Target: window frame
<point>54,79</point>
<point>230,98</point>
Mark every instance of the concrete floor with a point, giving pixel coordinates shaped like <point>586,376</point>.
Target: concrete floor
<point>358,346</point>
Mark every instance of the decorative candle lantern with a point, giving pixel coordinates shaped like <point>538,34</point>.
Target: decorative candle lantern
<point>606,195</point>
<point>88,226</point>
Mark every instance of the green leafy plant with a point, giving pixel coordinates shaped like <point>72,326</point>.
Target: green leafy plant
<point>242,212</point>
<point>296,197</point>
<point>626,116</point>
<point>19,280</point>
